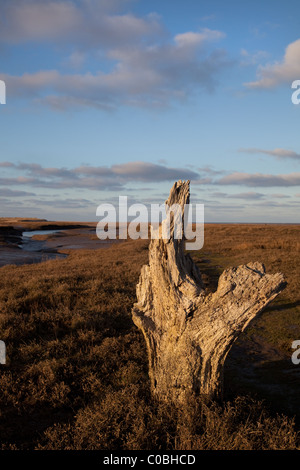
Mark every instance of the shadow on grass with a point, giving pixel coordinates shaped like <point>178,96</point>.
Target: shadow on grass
<point>276,381</point>
<point>210,270</point>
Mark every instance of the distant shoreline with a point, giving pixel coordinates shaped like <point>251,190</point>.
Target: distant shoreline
<point>16,250</point>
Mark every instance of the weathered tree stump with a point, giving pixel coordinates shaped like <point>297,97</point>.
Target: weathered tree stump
<point>187,331</point>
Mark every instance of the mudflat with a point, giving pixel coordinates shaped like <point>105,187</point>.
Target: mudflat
<point>22,241</point>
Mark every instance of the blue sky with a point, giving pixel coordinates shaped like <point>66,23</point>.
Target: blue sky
<point>108,98</point>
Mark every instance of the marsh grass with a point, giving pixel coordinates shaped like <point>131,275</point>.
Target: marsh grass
<point>77,370</point>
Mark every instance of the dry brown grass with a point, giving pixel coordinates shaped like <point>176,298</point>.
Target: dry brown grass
<point>77,375</point>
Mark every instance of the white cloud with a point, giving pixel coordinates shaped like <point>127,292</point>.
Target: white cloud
<point>141,75</point>
<point>260,180</point>
<point>249,195</point>
<point>114,177</point>
<point>76,59</point>
<point>280,196</point>
<point>248,58</point>
<point>192,39</point>
<point>36,20</point>
<point>279,153</point>
<point>90,23</point>
<point>6,192</point>
<point>278,73</point>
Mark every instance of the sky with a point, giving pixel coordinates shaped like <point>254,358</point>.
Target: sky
<point>109,98</point>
